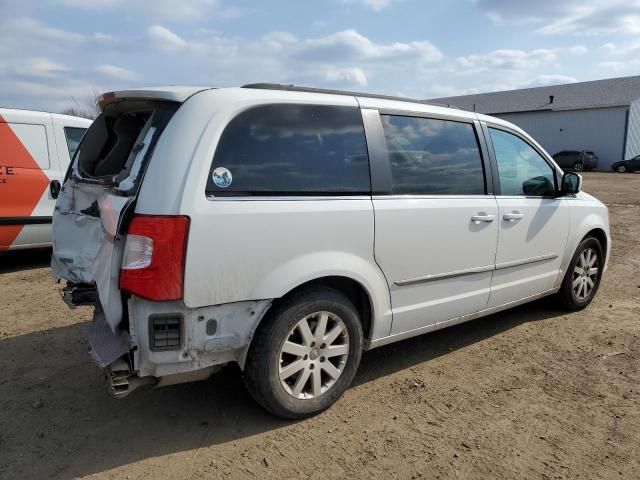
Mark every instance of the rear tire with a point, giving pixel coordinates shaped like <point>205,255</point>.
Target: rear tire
<point>582,278</point>
<point>297,365</point>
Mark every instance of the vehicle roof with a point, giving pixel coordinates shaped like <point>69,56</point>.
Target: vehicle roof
<point>23,115</point>
<point>280,92</point>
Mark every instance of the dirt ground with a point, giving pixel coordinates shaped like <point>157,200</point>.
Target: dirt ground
<point>528,393</point>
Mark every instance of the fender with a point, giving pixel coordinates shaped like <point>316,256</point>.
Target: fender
<point>303,269</point>
<point>584,218</point>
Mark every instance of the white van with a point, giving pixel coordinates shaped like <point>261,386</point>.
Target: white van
<point>35,151</point>
<point>288,229</point>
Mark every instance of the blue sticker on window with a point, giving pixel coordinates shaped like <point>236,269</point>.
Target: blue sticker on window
<point>222,177</point>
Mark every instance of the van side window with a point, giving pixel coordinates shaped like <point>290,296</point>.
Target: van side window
<point>433,157</point>
<point>521,169</point>
<point>32,137</point>
<point>292,150</point>
<point>73,135</point>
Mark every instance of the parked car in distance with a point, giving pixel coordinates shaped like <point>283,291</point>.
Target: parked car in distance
<point>577,161</point>
<point>35,151</point>
<point>288,229</point>
<point>624,166</point>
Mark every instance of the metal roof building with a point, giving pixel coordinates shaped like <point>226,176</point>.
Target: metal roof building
<point>602,115</point>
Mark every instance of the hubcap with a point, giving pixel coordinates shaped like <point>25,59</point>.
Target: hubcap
<point>585,274</point>
<point>622,169</point>
<point>313,355</point>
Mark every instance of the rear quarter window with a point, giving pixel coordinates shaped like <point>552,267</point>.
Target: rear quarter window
<point>73,136</point>
<point>292,150</point>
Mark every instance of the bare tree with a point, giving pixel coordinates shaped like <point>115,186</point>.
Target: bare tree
<point>85,109</point>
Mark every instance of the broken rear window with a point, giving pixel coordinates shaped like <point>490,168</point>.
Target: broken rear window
<point>118,145</point>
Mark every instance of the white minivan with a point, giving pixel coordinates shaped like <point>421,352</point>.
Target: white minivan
<point>289,229</point>
<point>35,151</point>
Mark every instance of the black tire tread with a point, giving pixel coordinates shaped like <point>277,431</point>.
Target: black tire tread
<point>263,338</point>
<point>565,294</point>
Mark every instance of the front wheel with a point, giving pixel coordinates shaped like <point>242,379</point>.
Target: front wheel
<point>578,167</point>
<point>621,169</point>
<point>583,275</point>
<point>306,354</point>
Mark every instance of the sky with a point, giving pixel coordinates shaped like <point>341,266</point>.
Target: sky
<point>56,54</point>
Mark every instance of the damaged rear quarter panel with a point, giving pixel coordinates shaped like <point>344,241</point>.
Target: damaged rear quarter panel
<point>236,324</point>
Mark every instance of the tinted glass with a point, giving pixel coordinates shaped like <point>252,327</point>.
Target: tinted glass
<point>522,170</point>
<point>74,135</point>
<point>292,149</point>
<point>433,157</point>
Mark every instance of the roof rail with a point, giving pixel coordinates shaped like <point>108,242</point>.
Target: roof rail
<point>294,88</point>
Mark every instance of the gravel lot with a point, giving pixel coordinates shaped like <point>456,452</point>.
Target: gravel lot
<point>528,393</point>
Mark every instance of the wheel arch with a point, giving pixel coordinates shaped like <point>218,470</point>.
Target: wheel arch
<point>373,319</point>
<point>350,288</point>
<point>592,224</point>
<point>600,235</point>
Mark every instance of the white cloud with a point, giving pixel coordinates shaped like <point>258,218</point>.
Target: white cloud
<point>29,27</point>
<point>345,58</point>
<point>170,10</point>
<point>508,59</point>
<point>568,17</point>
<point>548,79</point>
<point>164,38</point>
<point>375,5</point>
<point>42,67</point>
<point>351,45</point>
<point>619,67</point>
<point>517,59</point>
<point>113,72</point>
<point>611,48</point>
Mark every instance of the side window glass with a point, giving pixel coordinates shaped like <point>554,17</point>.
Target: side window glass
<point>288,149</point>
<point>74,135</point>
<point>521,169</point>
<point>32,137</point>
<point>433,157</point>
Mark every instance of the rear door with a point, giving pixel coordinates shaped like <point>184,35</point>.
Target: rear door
<point>436,224</point>
<point>101,186</point>
<point>533,223</point>
<point>26,203</point>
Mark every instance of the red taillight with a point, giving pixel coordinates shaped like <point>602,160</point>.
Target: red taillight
<point>154,255</point>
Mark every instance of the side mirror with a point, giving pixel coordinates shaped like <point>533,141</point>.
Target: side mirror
<point>571,183</point>
<point>538,187</point>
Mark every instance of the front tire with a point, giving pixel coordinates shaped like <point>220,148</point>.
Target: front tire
<point>305,354</point>
<point>582,279</point>
<point>621,169</point>
<point>578,167</point>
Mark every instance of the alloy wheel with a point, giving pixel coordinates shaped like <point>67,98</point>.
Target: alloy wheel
<point>314,355</point>
<point>622,169</point>
<point>585,274</point>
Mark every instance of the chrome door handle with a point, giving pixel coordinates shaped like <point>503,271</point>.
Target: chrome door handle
<point>510,217</point>
<point>483,217</point>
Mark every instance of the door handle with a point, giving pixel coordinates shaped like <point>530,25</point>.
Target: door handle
<point>54,188</point>
<point>512,217</point>
<point>482,217</point>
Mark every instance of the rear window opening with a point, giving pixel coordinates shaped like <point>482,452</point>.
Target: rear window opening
<point>117,146</point>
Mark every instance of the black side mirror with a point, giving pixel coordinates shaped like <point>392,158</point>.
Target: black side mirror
<point>571,183</point>
<point>538,187</point>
